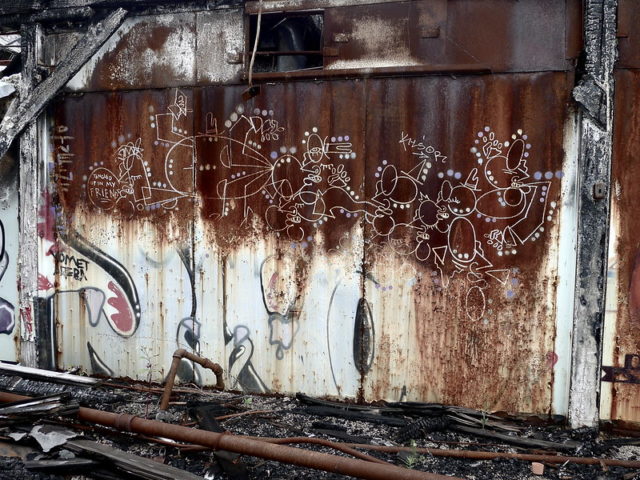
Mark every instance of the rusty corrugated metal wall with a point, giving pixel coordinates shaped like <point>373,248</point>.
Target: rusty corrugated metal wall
<point>621,355</point>
<point>393,238</point>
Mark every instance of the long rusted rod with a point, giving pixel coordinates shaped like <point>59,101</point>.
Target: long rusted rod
<point>246,446</point>
<point>483,455</point>
<point>471,454</point>
<point>178,355</point>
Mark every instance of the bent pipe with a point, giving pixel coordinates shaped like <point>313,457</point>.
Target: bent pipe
<point>245,446</point>
<point>178,355</point>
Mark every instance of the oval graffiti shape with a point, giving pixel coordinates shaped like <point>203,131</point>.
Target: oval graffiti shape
<point>428,213</point>
<point>363,337</point>
<point>462,200</point>
<point>389,180</point>
<point>104,188</point>
<point>475,303</point>
<point>462,240</point>
<point>515,154</point>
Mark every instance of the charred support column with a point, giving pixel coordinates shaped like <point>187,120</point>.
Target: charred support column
<point>24,119</point>
<point>594,94</point>
<point>28,201</point>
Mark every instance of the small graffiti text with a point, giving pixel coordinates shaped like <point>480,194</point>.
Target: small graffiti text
<point>71,266</point>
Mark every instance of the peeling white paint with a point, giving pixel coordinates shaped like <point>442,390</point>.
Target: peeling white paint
<point>220,36</point>
<point>566,256</point>
<point>139,65</point>
<point>382,43</point>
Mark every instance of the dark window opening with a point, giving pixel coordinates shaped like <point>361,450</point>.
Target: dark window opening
<point>287,42</point>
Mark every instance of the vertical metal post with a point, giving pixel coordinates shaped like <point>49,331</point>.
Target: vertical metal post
<point>594,94</point>
<point>28,202</point>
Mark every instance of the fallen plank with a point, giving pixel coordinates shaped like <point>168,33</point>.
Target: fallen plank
<point>29,108</point>
<point>61,404</point>
<point>48,375</point>
<point>132,464</point>
<point>58,465</point>
<point>517,440</point>
<point>352,415</point>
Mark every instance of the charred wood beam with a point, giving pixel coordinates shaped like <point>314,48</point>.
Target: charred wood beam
<point>518,440</point>
<point>31,106</point>
<point>131,464</point>
<point>47,16</point>
<point>40,7</point>
<point>594,94</point>
<point>29,194</point>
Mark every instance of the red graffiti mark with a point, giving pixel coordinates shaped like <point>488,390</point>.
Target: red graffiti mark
<point>552,359</point>
<point>27,321</point>
<point>47,219</point>
<point>44,283</point>
<point>54,249</point>
<point>123,319</point>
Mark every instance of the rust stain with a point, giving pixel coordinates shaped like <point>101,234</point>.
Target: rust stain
<point>634,290</point>
<point>532,36</point>
<point>625,170</point>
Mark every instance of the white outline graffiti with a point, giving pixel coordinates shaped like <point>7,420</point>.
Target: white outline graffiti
<point>460,223</point>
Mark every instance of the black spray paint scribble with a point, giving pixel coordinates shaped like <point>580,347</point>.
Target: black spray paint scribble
<point>116,270</point>
<point>630,373</point>
<point>7,317</point>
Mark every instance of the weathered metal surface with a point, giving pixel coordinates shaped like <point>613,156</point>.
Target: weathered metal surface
<point>202,48</point>
<point>628,36</point>
<point>220,46</point>
<point>146,52</point>
<point>621,392</point>
<point>372,238</point>
<point>169,50</point>
<point>461,271</point>
<point>537,36</point>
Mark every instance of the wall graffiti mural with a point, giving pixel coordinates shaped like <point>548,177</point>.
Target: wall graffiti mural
<point>461,224</point>
<point>306,185</point>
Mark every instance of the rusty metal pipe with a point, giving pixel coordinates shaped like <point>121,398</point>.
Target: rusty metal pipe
<point>246,446</point>
<point>178,355</point>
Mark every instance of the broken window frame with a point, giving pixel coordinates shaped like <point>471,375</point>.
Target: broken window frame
<point>251,19</point>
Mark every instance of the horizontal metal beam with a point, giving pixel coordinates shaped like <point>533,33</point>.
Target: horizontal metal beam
<point>253,7</point>
<point>372,72</point>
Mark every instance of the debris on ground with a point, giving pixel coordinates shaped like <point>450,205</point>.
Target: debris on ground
<point>45,436</point>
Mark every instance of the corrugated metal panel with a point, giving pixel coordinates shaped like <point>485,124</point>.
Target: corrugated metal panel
<point>628,35</point>
<point>8,258</point>
<point>621,355</point>
<point>378,238</point>
<point>505,36</point>
<point>462,271</point>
